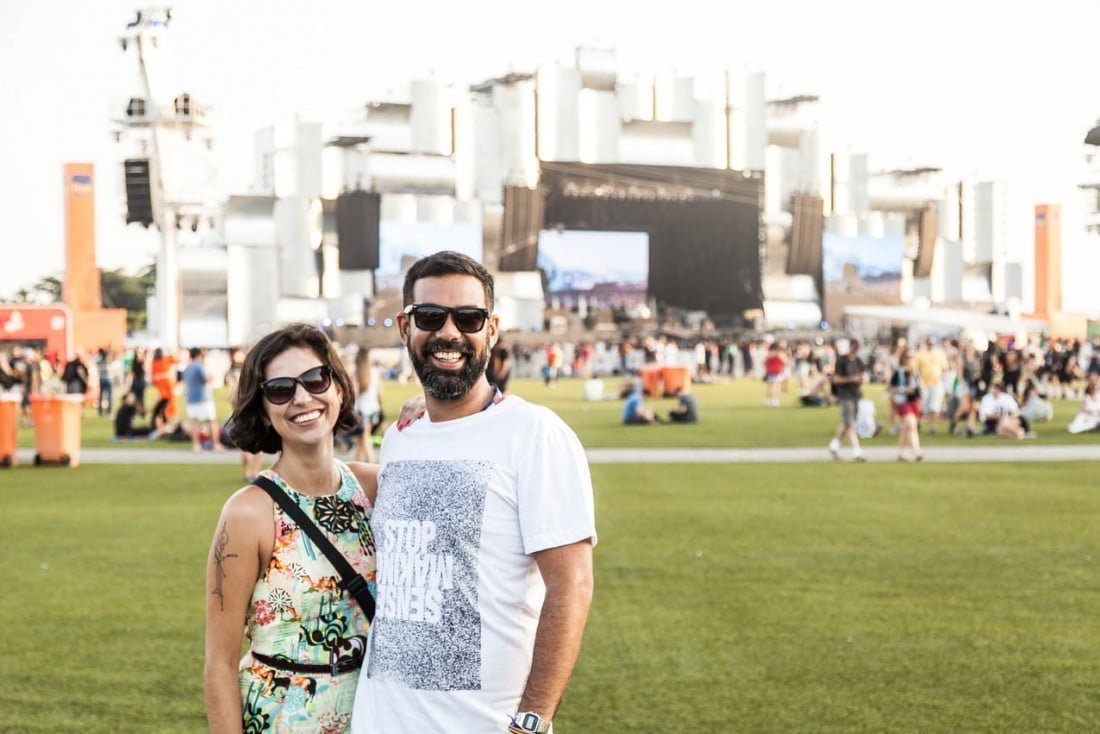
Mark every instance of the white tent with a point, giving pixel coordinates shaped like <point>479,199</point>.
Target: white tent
<point>940,320</point>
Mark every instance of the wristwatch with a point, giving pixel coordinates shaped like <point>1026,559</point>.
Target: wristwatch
<point>529,722</point>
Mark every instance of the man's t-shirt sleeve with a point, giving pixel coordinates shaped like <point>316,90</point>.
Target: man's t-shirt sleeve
<point>554,487</point>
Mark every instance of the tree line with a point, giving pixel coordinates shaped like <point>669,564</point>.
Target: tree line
<point>117,290</point>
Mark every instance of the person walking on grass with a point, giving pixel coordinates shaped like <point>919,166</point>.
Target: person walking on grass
<point>905,396</point>
<point>931,364</point>
<point>200,402</point>
<point>848,377</point>
<point>775,371</point>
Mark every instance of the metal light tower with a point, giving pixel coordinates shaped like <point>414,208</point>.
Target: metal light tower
<point>169,120</point>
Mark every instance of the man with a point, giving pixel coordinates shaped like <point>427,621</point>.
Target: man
<point>1001,414</point>
<point>686,410</point>
<point>635,412</point>
<point>200,402</point>
<point>847,378</point>
<point>484,527</point>
<point>75,376</point>
<point>931,364</point>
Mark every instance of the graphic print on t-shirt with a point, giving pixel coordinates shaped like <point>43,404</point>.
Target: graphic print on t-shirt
<point>427,529</point>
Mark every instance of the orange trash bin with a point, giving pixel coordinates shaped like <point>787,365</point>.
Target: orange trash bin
<point>676,379</point>
<point>57,428</point>
<point>651,380</point>
<point>9,428</point>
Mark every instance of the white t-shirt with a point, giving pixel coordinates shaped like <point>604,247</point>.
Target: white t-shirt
<point>462,506</point>
<point>993,406</point>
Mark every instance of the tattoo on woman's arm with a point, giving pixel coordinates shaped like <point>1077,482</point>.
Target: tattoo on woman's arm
<point>219,558</point>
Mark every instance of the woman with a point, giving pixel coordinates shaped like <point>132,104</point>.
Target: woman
<point>1034,407</point>
<point>306,635</point>
<point>904,393</point>
<point>1088,417</point>
<point>368,405</point>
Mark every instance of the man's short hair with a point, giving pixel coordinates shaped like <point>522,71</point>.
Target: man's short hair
<point>195,352</point>
<point>448,262</point>
<point>853,343</point>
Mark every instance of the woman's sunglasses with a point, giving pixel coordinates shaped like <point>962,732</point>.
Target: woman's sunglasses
<point>430,317</point>
<point>280,390</point>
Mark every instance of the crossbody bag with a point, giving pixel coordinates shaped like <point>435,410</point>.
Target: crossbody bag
<point>350,580</point>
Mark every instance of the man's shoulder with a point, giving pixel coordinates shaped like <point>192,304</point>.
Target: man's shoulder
<point>527,420</point>
<point>519,409</point>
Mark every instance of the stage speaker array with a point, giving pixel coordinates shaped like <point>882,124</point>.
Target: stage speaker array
<point>807,225</point>
<point>139,191</point>
<point>523,219</point>
<point>357,218</point>
<point>928,229</point>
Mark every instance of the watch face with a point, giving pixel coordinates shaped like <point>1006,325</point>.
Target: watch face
<point>531,722</point>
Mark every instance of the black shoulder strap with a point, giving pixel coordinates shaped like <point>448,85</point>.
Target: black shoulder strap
<point>351,581</point>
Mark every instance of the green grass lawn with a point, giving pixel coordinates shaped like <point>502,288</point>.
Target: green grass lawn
<point>771,598</point>
<point>732,415</point>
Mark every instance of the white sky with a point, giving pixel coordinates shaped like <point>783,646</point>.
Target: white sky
<point>1004,90</point>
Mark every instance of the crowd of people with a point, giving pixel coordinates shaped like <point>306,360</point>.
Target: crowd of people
<point>121,386</point>
<point>944,384</point>
<point>939,384</point>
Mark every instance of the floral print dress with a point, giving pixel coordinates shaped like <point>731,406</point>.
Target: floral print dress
<point>300,614</point>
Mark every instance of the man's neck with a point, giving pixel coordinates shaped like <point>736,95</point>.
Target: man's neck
<point>472,402</point>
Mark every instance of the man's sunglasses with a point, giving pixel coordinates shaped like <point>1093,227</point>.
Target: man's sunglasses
<point>430,317</point>
<point>280,390</point>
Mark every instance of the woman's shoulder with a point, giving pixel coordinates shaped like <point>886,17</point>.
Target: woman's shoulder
<point>249,503</point>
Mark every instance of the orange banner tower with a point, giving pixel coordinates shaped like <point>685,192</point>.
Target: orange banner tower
<point>1048,276</point>
<point>1048,260</point>
<point>93,325</point>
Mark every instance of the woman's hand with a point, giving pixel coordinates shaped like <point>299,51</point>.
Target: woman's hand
<point>413,408</point>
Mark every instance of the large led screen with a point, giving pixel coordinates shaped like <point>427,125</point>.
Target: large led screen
<point>860,271</point>
<point>401,244</point>
<point>607,269</point>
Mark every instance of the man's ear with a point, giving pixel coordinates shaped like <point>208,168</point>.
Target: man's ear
<point>403,327</point>
<point>494,330</point>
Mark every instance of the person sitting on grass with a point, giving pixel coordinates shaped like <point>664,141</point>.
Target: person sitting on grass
<point>1088,417</point>
<point>686,410</point>
<point>1001,415</point>
<point>124,421</point>
<point>1034,405</point>
<point>635,411</point>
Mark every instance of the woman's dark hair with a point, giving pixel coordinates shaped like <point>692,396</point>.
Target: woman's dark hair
<point>249,430</point>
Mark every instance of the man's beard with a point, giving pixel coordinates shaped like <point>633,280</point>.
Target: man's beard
<point>448,384</point>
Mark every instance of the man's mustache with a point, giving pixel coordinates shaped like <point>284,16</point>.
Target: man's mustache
<point>442,345</point>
